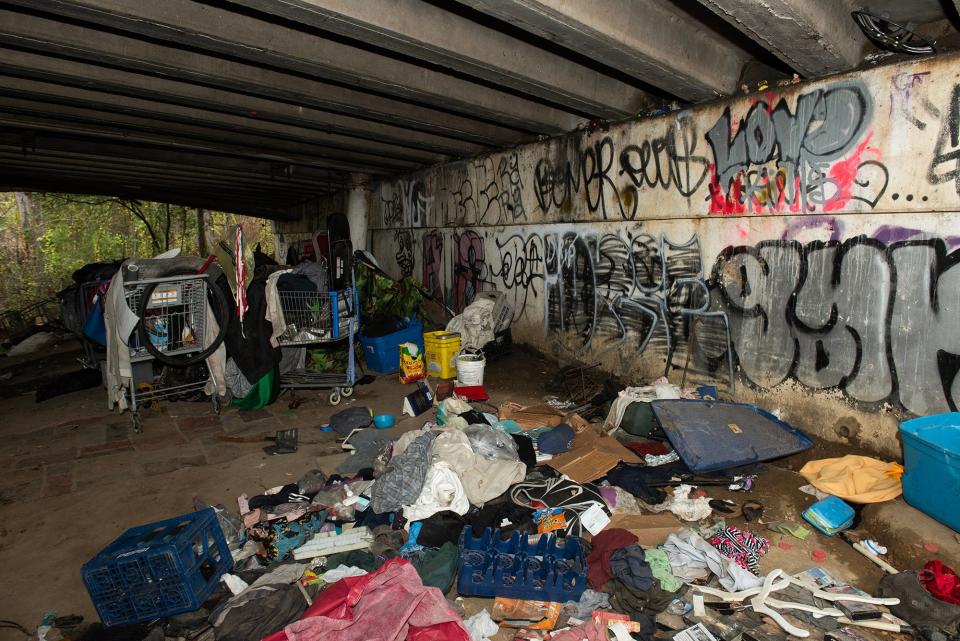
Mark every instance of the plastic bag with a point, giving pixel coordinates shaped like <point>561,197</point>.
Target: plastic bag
<point>230,523</point>
<point>412,368</point>
<point>492,443</point>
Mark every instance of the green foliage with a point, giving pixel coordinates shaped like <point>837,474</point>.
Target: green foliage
<point>381,296</point>
<point>44,238</point>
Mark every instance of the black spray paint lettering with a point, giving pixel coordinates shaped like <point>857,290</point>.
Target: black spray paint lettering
<point>404,256</point>
<point>591,170</point>
<point>945,166</point>
<point>880,322</point>
<point>520,269</point>
<point>612,291</point>
<point>668,162</point>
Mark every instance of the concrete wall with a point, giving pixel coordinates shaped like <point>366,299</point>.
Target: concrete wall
<point>806,235</point>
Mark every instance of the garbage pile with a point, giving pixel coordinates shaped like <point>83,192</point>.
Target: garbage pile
<point>524,523</point>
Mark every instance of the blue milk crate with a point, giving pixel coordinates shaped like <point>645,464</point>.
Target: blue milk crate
<point>547,569</point>
<point>157,570</point>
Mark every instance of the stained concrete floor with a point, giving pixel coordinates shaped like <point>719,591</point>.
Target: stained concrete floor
<point>74,475</point>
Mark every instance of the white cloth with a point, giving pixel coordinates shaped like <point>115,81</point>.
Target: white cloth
<point>119,321</point>
<point>481,626</point>
<point>341,572</point>
<point>475,324</point>
<point>442,490</point>
<point>692,558</point>
<point>483,478</point>
<point>274,311</point>
<point>683,506</point>
<point>659,390</point>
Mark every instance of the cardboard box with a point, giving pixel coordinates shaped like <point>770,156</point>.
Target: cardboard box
<point>531,417</point>
<point>651,529</point>
<point>592,454</point>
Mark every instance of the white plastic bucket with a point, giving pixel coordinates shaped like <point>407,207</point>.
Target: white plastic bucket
<point>470,365</point>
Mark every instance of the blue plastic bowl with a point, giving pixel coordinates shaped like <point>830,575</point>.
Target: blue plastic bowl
<point>383,421</point>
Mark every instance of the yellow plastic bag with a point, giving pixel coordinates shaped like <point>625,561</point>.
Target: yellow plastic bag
<point>412,368</point>
<point>858,479</point>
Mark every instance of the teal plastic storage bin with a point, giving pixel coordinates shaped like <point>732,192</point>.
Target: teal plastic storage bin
<point>931,456</point>
<point>381,353</point>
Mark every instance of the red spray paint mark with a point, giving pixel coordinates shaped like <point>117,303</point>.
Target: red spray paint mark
<point>843,173</point>
<point>721,202</point>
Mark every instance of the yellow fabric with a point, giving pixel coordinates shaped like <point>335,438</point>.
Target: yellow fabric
<point>858,479</point>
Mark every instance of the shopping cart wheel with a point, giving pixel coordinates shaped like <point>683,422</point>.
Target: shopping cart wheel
<point>346,392</point>
<point>216,403</point>
<point>137,423</point>
<point>334,397</point>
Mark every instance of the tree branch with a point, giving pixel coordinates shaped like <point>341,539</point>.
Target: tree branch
<point>134,207</point>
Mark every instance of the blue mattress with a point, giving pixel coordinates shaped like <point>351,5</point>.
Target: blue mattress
<point>714,435</point>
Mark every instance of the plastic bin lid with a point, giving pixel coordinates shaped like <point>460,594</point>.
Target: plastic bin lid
<point>939,431</point>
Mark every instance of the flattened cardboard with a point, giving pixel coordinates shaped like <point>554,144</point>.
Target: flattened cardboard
<point>650,529</point>
<point>531,417</point>
<point>593,454</point>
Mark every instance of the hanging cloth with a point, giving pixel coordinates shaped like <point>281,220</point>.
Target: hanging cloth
<point>240,265</point>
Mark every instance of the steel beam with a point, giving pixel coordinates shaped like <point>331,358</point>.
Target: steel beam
<point>426,32</point>
<point>813,37</point>
<point>646,39</point>
<point>185,23</point>
<point>126,66</point>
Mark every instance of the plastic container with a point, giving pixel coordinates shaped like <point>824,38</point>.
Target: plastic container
<point>441,349</point>
<point>158,570</point>
<point>548,569</point>
<point>829,515</point>
<point>381,353</point>
<point>383,421</point>
<point>470,366</point>
<point>931,456</point>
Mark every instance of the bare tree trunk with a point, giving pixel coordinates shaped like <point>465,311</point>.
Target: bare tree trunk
<point>166,229</point>
<point>201,234</point>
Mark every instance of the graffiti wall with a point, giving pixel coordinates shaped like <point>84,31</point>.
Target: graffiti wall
<point>806,236</point>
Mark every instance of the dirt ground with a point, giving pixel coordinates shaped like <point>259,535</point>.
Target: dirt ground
<point>74,475</point>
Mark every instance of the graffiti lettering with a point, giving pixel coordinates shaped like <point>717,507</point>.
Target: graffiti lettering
<point>668,161</point>
<point>404,255</point>
<point>469,269</point>
<point>778,158</point>
<point>879,322</point>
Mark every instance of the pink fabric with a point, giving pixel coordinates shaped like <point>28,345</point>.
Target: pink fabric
<point>589,630</point>
<point>355,609</point>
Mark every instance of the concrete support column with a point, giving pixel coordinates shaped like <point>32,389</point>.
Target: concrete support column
<point>358,210</point>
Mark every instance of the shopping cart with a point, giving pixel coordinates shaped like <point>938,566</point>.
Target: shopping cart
<point>318,319</point>
<point>172,330</point>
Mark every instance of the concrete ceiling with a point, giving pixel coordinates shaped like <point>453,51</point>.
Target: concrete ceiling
<point>261,106</point>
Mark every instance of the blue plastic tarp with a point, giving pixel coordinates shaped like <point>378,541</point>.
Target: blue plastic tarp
<point>714,435</point>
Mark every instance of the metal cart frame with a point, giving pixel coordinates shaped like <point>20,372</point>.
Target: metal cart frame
<point>177,303</point>
<point>316,319</point>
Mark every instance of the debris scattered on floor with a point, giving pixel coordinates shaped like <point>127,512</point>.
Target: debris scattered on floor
<point>528,523</point>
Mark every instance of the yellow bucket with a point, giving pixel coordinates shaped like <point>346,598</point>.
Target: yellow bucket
<point>441,350</point>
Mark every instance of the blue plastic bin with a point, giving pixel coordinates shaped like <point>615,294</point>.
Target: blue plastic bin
<point>158,570</point>
<point>381,353</point>
<point>931,456</point>
<point>551,569</point>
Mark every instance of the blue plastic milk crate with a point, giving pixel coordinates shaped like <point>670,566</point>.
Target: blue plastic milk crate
<point>547,569</point>
<point>382,354</point>
<point>158,570</point>
<point>931,459</point>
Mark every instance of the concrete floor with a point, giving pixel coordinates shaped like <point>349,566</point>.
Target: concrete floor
<point>74,475</point>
